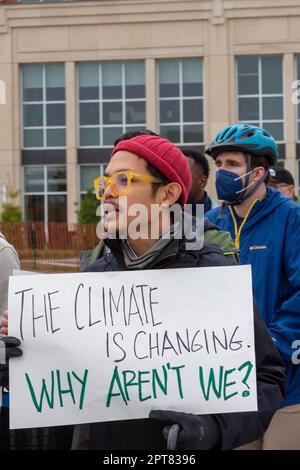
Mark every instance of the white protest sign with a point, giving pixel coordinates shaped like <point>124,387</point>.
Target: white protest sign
<point>112,346</point>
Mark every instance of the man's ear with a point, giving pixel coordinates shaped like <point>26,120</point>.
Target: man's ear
<point>291,191</point>
<point>203,181</point>
<point>169,193</point>
<point>260,172</point>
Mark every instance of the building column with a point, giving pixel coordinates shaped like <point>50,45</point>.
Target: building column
<point>71,138</point>
<point>10,154</point>
<point>217,87</point>
<point>151,95</point>
<point>17,170</point>
<point>289,113</point>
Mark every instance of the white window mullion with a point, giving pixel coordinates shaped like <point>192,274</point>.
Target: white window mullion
<point>123,98</point>
<point>45,195</point>
<point>77,106</point>
<point>157,66</point>
<point>181,135</point>
<point>100,106</point>
<point>23,191</point>
<point>237,101</point>
<point>260,102</point>
<point>296,68</point>
<point>44,109</point>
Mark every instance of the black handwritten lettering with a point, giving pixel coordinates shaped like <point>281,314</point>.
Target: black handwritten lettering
<point>75,306</point>
<point>91,322</point>
<point>132,302</point>
<point>51,309</point>
<point>112,304</point>
<point>119,306</point>
<point>119,346</point>
<point>135,345</point>
<point>33,317</point>
<point>151,309</point>
<point>143,299</point>
<point>22,309</point>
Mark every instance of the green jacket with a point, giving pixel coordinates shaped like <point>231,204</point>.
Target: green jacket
<point>212,235</point>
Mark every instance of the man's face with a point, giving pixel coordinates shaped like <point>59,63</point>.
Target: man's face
<point>199,182</point>
<point>115,208</point>
<point>231,161</point>
<point>286,189</point>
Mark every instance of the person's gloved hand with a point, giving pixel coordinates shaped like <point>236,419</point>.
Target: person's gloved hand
<point>8,349</point>
<point>196,432</point>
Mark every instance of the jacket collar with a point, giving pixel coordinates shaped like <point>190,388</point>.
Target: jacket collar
<point>115,247</point>
<point>171,250</point>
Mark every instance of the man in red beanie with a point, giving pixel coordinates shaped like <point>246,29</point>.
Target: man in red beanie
<point>154,171</point>
<point>156,167</point>
<point>212,234</point>
<point>150,170</point>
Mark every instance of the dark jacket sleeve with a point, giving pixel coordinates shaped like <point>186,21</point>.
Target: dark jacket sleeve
<point>240,428</point>
<point>285,324</point>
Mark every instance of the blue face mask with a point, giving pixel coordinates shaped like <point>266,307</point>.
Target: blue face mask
<point>229,185</point>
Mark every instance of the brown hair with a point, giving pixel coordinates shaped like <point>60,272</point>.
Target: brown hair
<point>256,162</point>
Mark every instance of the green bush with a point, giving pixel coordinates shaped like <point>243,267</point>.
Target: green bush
<point>11,213</point>
<point>88,208</point>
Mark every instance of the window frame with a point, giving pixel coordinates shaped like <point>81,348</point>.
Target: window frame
<point>181,98</point>
<point>102,166</point>
<point>260,95</point>
<point>45,193</point>
<point>100,101</point>
<point>44,102</point>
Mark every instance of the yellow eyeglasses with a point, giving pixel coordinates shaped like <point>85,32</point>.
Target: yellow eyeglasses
<point>120,183</point>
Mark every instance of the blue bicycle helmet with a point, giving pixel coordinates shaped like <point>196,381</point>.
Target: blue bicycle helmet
<point>245,138</point>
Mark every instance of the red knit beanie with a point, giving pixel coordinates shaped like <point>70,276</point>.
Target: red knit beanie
<point>164,156</point>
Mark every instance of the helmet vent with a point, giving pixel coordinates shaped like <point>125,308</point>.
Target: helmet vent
<point>222,135</point>
<point>231,133</point>
<point>267,134</point>
<point>246,135</point>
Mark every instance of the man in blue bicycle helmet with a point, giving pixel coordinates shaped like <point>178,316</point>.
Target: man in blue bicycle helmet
<point>266,228</point>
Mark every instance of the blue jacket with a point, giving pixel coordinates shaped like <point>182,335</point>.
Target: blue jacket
<point>269,240</point>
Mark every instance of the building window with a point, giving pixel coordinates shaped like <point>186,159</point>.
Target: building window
<point>180,91</point>
<point>44,120</point>
<point>45,193</point>
<point>260,93</point>
<point>87,175</point>
<point>111,101</point>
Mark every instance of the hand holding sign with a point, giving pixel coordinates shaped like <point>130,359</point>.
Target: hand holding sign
<point>8,350</point>
<point>195,432</point>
